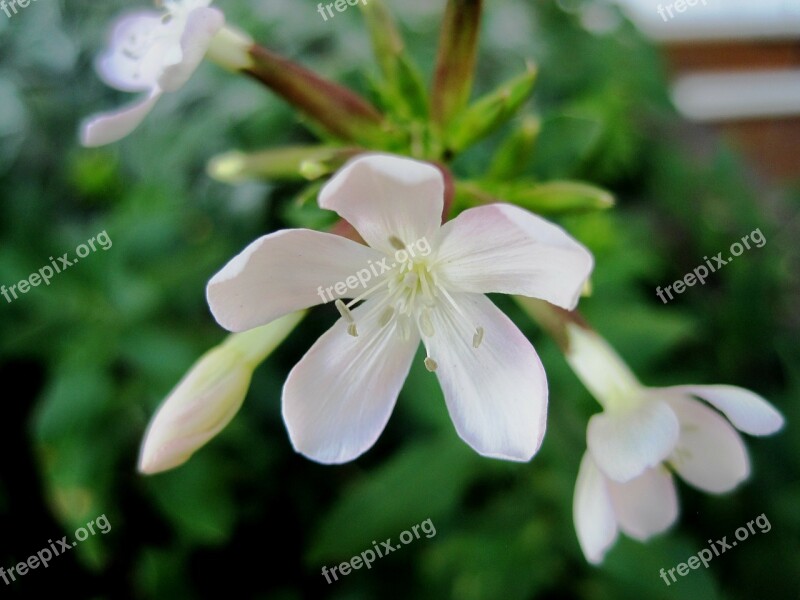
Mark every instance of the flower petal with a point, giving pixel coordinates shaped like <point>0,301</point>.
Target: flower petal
<point>593,513</point>
<point>202,25</point>
<point>646,505</point>
<point>710,453</point>
<point>338,398</point>
<point>626,442</point>
<point>385,196</point>
<point>748,411</point>
<point>134,58</point>
<point>285,271</point>
<point>497,393</point>
<point>110,127</point>
<point>503,248</point>
<point>184,6</point>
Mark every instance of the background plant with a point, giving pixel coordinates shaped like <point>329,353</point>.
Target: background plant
<point>89,358</point>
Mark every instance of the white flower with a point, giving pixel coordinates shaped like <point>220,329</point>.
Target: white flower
<point>151,52</point>
<point>644,434</point>
<point>339,397</point>
<point>208,396</point>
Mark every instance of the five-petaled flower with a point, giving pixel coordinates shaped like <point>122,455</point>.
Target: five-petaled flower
<point>152,52</point>
<point>338,398</point>
<point>643,435</point>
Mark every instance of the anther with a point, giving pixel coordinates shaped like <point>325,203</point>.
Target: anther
<point>396,243</point>
<point>431,364</point>
<point>477,338</point>
<point>351,329</point>
<point>344,311</point>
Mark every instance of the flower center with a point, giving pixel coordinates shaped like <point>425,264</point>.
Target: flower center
<point>143,38</point>
<point>138,43</point>
<point>412,292</point>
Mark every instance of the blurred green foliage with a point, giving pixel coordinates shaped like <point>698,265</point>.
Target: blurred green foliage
<point>88,358</point>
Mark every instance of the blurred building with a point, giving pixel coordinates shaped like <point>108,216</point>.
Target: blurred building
<point>736,65</point>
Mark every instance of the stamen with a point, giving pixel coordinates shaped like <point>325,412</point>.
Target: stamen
<point>405,328</point>
<point>344,311</point>
<point>477,338</point>
<point>431,364</point>
<point>386,316</point>
<point>426,287</point>
<point>381,284</point>
<point>425,323</point>
<point>351,329</point>
<point>410,280</point>
<point>396,243</point>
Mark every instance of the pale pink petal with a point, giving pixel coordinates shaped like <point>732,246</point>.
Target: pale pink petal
<point>338,398</point>
<point>110,127</point>
<point>134,58</point>
<point>385,197</point>
<point>593,513</point>
<point>202,25</point>
<point>286,271</point>
<point>625,442</point>
<point>710,453</point>
<point>497,393</point>
<point>748,411</point>
<point>646,505</point>
<point>503,248</point>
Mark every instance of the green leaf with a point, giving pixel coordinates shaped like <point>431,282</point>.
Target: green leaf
<point>304,212</point>
<point>74,402</point>
<point>402,87</point>
<point>568,141</point>
<point>637,568</point>
<point>513,156</point>
<point>423,482</point>
<point>197,499</point>
<point>491,111</point>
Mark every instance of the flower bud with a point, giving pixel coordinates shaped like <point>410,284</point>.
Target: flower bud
<point>209,396</point>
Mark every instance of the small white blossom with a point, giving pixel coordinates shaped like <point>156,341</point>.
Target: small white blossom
<point>338,398</point>
<point>643,435</point>
<point>151,52</point>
